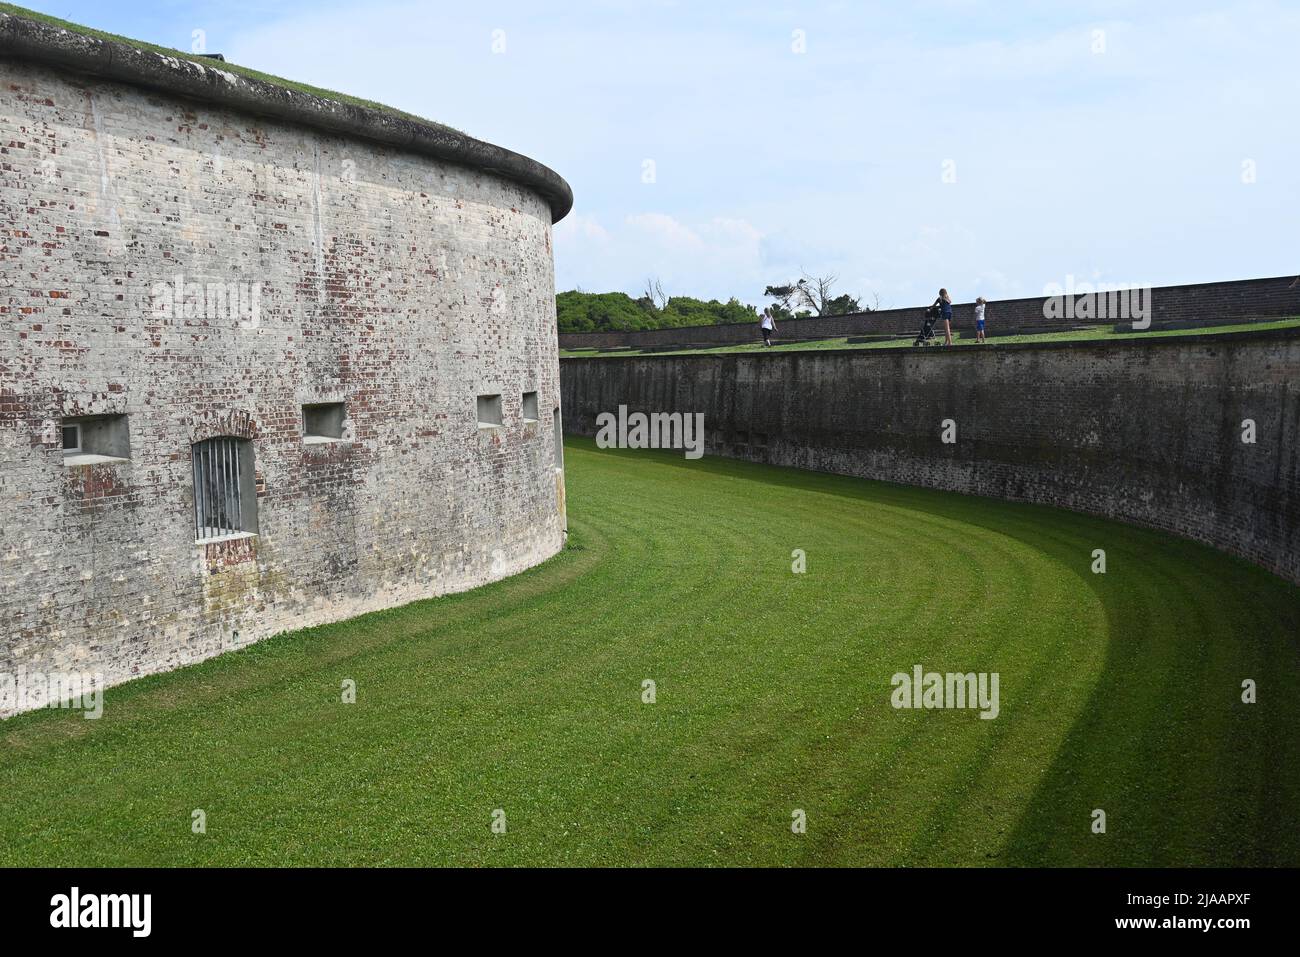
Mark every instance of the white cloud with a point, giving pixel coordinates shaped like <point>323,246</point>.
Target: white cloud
<point>716,258</point>
<point>1127,162</point>
<point>577,228</point>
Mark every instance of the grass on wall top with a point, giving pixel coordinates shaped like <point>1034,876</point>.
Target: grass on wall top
<point>963,338</point>
<point>207,63</point>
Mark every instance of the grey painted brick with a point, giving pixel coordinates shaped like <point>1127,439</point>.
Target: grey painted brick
<point>393,282</point>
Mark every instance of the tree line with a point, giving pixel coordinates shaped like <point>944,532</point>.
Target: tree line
<point>578,311</point>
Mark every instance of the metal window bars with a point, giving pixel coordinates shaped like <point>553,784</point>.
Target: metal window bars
<point>218,502</point>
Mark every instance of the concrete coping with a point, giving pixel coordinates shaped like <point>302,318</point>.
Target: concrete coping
<point>33,40</point>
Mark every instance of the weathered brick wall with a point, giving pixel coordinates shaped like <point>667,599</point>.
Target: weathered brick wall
<point>1145,431</point>
<point>390,281</point>
<point>1201,303</point>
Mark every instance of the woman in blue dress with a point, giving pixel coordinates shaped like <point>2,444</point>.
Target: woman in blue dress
<point>944,303</point>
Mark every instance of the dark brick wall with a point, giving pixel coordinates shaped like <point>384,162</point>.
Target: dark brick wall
<point>1200,303</point>
<point>1145,431</point>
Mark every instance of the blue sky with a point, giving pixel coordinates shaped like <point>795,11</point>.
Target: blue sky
<point>993,148</point>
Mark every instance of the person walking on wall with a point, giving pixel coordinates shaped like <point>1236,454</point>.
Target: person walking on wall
<point>944,304</point>
<point>768,325</point>
<point>980,303</point>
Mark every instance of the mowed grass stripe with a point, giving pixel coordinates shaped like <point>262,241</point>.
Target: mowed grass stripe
<point>1118,691</point>
<point>756,715</point>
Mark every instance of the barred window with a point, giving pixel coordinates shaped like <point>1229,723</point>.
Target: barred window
<point>225,494</point>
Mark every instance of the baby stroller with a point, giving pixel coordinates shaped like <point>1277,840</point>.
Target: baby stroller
<point>926,335</point>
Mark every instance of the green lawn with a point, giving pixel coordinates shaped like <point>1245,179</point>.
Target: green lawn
<point>1118,691</point>
<point>963,338</point>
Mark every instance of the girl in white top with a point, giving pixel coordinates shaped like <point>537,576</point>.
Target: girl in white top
<point>979,318</point>
<point>768,326</point>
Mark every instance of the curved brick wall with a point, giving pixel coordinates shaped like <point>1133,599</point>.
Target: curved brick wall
<point>399,284</point>
<point>1145,431</point>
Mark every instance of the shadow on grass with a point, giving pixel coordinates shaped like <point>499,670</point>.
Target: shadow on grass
<point>1186,773</point>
